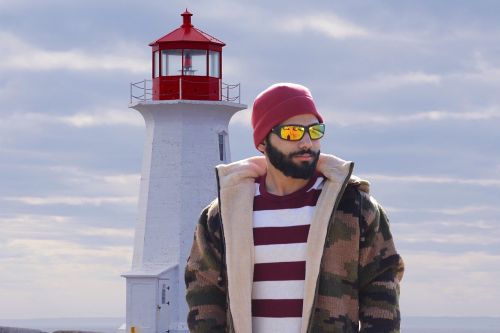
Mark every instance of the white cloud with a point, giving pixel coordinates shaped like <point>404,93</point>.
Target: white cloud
<point>483,71</point>
<point>478,224</point>
<point>433,180</point>
<point>90,181</point>
<point>107,232</point>
<point>382,82</point>
<point>40,276</point>
<point>228,11</point>
<point>463,233</point>
<point>27,4</point>
<point>54,227</point>
<point>467,209</point>
<point>33,226</point>
<point>356,118</point>
<point>365,118</point>
<point>105,117</point>
<point>328,24</point>
<point>72,201</point>
<point>121,179</point>
<point>46,229</point>
<point>391,81</point>
<point>61,248</point>
<point>450,280</point>
<point>460,210</point>
<point>449,239</point>
<point>11,3</point>
<point>243,117</point>
<point>95,118</point>
<point>16,54</point>
<point>233,70</point>
<point>88,186</point>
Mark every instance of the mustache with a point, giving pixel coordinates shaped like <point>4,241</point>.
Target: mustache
<point>304,151</point>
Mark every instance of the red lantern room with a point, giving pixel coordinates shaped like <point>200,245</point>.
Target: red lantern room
<point>187,64</point>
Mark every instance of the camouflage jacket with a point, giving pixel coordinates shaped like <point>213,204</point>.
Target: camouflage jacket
<point>352,268</point>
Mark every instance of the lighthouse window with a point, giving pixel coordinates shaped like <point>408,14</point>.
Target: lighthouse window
<point>156,64</point>
<point>222,148</point>
<point>195,62</point>
<point>213,63</point>
<point>171,62</point>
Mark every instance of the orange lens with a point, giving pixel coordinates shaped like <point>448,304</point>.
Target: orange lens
<point>292,133</point>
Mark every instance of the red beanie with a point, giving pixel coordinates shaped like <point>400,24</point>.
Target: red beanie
<point>278,103</point>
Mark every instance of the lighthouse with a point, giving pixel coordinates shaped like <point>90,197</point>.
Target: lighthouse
<point>186,107</point>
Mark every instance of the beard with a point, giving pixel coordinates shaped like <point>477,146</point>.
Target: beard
<point>284,163</point>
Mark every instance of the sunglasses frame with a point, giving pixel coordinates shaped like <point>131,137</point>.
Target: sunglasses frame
<point>277,130</point>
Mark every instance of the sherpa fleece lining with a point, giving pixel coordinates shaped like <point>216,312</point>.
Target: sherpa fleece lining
<point>237,190</point>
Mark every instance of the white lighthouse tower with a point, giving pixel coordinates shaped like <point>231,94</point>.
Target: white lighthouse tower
<point>187,109</point>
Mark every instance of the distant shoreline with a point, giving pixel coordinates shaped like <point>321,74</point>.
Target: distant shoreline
<point>112,324</point>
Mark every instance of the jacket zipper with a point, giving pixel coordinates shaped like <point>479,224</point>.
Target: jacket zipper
<point>339,196</point>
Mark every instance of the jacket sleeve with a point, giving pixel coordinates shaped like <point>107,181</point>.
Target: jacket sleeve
<point>205,288</point>
<point>380,271</point>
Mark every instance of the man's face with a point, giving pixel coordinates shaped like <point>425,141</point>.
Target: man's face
<point>296,159</point>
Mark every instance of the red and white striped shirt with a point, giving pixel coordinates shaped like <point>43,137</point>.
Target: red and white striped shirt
<point>280,230</point>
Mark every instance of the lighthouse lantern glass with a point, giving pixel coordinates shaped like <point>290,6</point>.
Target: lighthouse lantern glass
<point>213,63</point>
<point>195,62</point>
<point>171,62</point>
<point>156,64</point>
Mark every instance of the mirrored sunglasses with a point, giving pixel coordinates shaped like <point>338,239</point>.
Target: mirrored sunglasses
<point>296,132</point>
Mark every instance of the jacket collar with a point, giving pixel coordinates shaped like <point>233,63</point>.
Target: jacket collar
<point>249,169</point>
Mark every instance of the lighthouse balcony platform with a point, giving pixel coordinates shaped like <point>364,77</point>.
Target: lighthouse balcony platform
<point>184,88</point>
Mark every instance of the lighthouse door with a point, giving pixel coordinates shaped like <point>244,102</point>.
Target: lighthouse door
<point>164,305</point>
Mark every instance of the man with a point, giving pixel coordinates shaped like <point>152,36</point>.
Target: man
<point>294,242</point>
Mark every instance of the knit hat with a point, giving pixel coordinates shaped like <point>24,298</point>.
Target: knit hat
<point>278,103</point>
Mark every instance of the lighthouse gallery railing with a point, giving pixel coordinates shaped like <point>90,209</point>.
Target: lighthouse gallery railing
<point>142,91</point>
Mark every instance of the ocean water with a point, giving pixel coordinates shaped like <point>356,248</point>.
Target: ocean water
<point>449,330</point>
<point>450,325</point>
<point>104,325</point>
<point>408,325</point>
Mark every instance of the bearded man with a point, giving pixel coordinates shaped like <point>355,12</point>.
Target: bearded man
<point>294,242</point>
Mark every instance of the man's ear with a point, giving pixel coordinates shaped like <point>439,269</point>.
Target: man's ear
<point>262,147</point>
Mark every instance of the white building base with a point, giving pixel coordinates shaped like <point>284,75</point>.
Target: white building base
<point>151,301</point>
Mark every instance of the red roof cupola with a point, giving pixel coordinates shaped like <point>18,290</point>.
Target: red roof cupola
<point>187,64</point>
<point>186,19</point>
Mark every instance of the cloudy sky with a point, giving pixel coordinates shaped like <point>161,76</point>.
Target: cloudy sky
<point>410,92</point>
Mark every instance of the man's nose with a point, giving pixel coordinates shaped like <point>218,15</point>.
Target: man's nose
<point>305,142</point>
